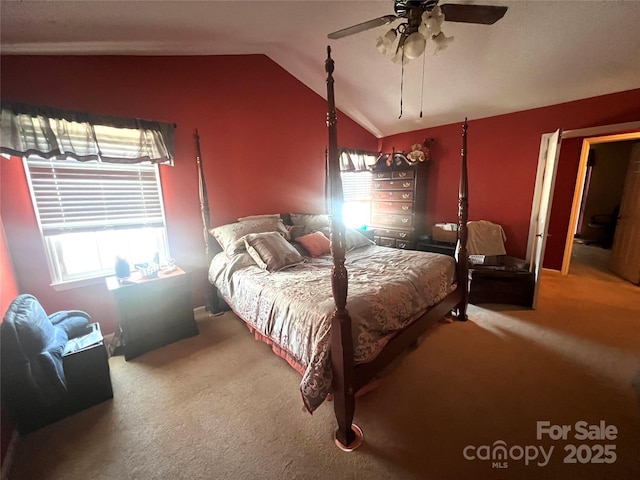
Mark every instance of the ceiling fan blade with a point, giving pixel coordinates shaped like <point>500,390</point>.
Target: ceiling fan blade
<point>483,14</point>
<point>361,27</point>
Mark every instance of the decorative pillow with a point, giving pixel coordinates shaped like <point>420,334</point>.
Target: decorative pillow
<point>296,231</point>
<point>316,243</point>
<point>254,217</point>
<point>271,251</point>
<point>230,236</point>
<point>311,222</point>
<point>355,239</point>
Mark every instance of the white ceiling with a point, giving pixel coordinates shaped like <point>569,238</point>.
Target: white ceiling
<point>540,53</point>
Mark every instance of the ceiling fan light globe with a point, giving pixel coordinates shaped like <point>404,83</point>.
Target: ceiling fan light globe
<point>385,43</point>
<point>430,27</point>
<point>436,12</point>
<point>414,45</point>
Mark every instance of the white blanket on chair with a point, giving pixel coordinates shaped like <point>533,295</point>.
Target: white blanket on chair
<point>485,238</point>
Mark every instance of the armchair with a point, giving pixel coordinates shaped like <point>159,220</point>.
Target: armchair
<point>44,376</point>
<point>495,277</point>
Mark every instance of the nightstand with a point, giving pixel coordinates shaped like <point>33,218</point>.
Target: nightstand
<point>426,244</point>
<point>153,312</point>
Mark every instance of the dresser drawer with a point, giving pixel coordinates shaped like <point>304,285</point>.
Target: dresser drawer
<point>393,196</point>
<point>400,174</point>
<point>392,207</point>
<point>393,242</point>
<point>406,235</point>
<point>385,241</point>
<point>392,184</point>
<point>392,220</point>
<point>381,176</point>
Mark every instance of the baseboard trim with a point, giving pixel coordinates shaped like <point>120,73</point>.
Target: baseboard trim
<point>8,458</point>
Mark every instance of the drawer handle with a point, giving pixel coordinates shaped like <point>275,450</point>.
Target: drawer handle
<point>403,234</point>
<point>377,185</point>
<point>404,220</point>
<point>405,207</point>
<point>391,183</point>
<point>380,175</point>
<point>403,174</point>
<point>406,184</point>
<point>406,195</point>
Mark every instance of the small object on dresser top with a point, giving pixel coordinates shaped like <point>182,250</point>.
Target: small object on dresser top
<point>476,259</point>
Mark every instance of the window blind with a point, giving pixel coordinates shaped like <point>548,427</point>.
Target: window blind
<point>72,196</point>
<point>356,186</point>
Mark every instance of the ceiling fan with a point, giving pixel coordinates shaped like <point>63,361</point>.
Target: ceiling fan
<point>423,18</point>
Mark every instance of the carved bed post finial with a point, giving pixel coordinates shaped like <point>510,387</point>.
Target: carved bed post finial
<point>341,336</point>
<point>462,258</point>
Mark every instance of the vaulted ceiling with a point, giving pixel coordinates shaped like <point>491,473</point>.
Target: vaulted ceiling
<point>540,53</point>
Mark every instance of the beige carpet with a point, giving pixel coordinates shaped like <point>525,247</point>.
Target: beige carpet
<point>223,406</point>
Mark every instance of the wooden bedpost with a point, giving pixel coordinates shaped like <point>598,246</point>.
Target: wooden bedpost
<point>204,198</point>
<point>462,258</point>
<point>348,436</point>
<point>212,303</point>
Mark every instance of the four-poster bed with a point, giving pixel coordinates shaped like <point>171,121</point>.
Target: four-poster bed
<point>287,301</point>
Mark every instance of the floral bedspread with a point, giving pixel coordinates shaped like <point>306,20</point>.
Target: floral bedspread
<point>388,289</point>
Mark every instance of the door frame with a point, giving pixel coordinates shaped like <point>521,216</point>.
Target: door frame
<point>582,169</point>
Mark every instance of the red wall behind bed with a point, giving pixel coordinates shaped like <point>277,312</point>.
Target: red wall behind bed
<point>262,133</point>
<point>503,158</point>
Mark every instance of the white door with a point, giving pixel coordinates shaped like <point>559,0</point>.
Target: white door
<point>625,253</point>
<point>541,210</point>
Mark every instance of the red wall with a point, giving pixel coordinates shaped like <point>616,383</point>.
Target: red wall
<point>503,157</point>
<point>8,291</point>
<point>262,133</point>
<point>263,137</point>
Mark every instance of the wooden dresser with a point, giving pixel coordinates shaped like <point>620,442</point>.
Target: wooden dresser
<point>398,202</point>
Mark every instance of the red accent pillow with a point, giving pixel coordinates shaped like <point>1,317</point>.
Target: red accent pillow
<point>316,243</point>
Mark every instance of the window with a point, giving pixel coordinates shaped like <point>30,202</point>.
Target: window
<point>356,178</point>
<point>90,212</point>
<point>356,188</point>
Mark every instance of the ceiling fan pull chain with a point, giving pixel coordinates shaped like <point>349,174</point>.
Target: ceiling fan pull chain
<point>401,83</point>
<point>422,87</point>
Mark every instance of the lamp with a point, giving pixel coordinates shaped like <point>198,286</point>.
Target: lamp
<point>409,39</point>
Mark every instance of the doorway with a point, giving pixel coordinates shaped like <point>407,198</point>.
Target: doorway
<point>580,212</point>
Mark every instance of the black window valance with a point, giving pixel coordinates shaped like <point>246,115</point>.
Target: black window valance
<point>353,160</point>
<point>52,132</point>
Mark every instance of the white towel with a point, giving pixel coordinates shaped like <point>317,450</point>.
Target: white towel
<point>485,238</point>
